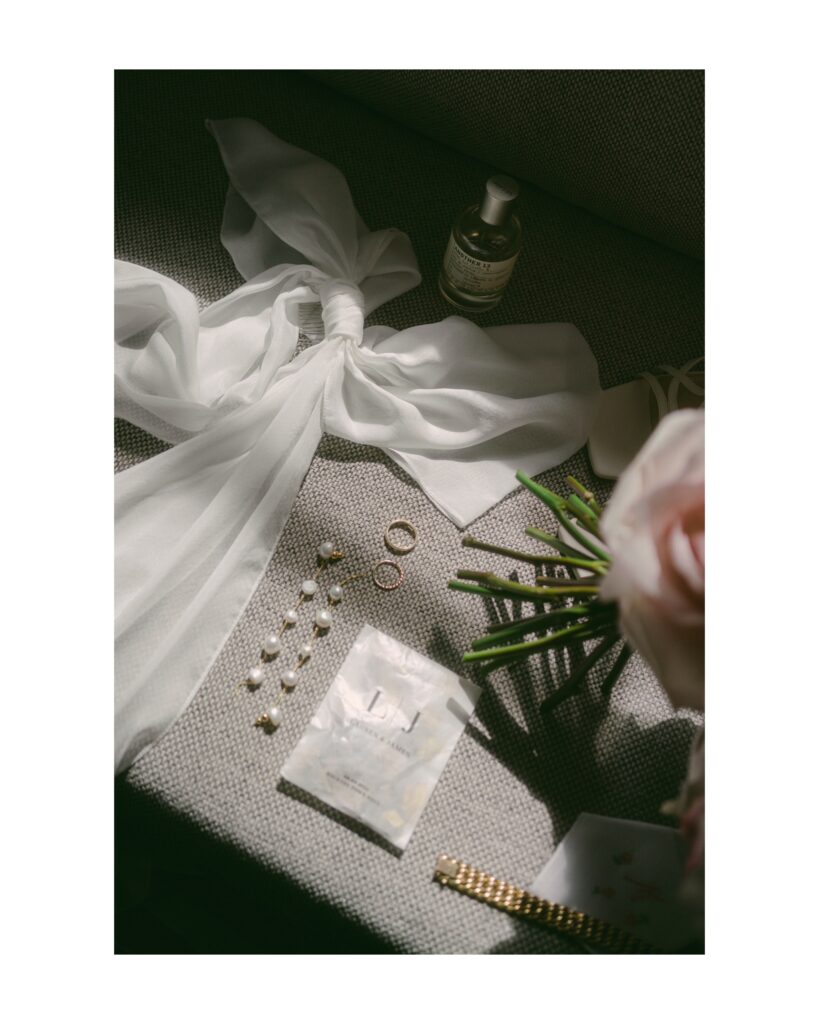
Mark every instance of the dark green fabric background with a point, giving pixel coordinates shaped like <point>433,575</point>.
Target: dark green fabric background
<point>627,145</point>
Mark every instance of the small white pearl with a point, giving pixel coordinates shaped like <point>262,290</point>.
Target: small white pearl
<point>291,616</point>
<point>326,549</point>
<point>289,678</point>
<point>272,644</point>
<point>309,587</point>
<point>336,592</point>
<point>305,651</point>
<point>256,676</point>
<point>324,619</point>
<point>274,715</point>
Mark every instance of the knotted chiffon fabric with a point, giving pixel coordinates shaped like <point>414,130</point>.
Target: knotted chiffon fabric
<point>459,407</point>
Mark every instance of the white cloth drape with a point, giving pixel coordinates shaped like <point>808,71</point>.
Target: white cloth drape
<point>460,408</point>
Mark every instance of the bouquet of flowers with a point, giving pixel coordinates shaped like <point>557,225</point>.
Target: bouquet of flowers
<point>631,575</point>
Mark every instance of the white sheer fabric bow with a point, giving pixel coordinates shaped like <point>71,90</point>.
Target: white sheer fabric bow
<point>460,408</point>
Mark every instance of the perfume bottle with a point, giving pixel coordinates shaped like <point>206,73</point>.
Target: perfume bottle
<point>483,247</point>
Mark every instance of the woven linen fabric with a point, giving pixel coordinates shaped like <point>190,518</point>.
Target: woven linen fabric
<point>625,144</point>
<point>514,784</point>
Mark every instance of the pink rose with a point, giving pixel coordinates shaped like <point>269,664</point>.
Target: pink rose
<point>654,527</point>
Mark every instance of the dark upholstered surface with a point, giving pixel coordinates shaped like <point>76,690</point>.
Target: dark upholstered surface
<point>627,145</point>
<point>636,302</point>
<point>204,805</point>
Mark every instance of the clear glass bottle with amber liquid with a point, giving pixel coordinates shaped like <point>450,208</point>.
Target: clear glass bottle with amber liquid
<point>483,247</point>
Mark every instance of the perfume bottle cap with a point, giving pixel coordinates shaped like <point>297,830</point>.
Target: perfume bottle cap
<point>501,192</point>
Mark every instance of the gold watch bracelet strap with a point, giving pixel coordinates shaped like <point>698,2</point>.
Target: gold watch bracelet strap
<point>455,874</point>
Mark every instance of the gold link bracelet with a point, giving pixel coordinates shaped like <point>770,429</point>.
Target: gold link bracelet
<point>487,889</point>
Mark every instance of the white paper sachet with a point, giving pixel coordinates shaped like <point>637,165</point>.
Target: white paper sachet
<point>625,872</point>
<point>380,739</point>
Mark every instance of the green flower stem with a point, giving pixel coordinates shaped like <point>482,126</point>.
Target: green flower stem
<point>528,556</point>
<point>580,507</point>
<point>565,581</point>
<point>573,683</point>
<point>510,587</point>
<point>586,523</point>
<point>582,631</point>
<point>585,515</point>
<point>544,619</point>
<point>502,636</point>
<point>556,543</point>
<point>587,581</point>
<point>535,624</point>
<point>616,669</point>
<point>575,563</point>
<point>471,588</point>
<point>584,493</point>
<point>557,505</point>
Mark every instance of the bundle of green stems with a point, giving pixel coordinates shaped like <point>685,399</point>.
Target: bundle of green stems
<point>575,611</point>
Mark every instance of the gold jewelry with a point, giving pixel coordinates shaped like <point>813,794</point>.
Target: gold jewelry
<point>455,874</point>
<point>272,718</point>
<point>380,583</point>
<point>272,643</point>
<point>401,524</point>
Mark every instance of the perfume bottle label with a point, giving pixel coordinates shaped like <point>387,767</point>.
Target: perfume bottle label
<point>476,276</point>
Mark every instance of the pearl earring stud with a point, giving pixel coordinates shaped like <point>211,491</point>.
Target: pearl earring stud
<point>271,719</point>
<point>272,644</point>
<point>323,618</point>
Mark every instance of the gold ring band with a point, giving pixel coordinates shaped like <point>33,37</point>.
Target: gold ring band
<point>401,524</point>
<point>394,565</point>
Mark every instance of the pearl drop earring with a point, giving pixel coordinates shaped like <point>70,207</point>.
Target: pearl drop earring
<point>272,643</point>
<point>272,718</point>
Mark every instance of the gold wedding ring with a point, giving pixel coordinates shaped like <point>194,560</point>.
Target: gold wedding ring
<point>407,527</point>
<point>393,565</point>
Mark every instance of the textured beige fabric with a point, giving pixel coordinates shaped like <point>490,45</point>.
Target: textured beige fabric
<point>514,784</point>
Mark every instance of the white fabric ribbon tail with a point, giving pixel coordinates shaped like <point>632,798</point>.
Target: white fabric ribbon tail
<point>460,408</point>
